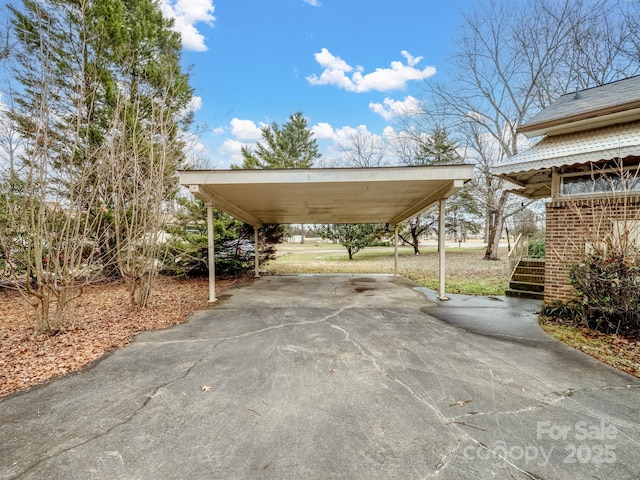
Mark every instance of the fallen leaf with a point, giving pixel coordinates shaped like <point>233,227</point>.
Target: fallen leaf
<point>102,321</point>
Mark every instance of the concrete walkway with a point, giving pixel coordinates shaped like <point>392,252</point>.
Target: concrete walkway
<point>345,377</point>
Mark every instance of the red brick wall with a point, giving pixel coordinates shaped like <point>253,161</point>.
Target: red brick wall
<point>570,225</point>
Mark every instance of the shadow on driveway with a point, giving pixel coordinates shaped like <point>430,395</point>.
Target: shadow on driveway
<point>334,376</point>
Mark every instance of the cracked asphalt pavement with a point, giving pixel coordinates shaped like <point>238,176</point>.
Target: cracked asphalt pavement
<point>335,376</point>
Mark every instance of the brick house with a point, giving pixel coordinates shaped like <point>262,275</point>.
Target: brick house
<point>587,164</point>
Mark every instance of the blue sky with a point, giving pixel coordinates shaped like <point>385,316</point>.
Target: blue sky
<point>346,64</point>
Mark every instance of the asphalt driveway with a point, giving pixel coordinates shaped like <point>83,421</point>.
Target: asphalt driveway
<point>317,377</point>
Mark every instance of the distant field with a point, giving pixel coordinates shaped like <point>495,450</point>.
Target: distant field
<point>466,271</point>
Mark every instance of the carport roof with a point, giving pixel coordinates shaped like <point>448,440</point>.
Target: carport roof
<point>320,195</point>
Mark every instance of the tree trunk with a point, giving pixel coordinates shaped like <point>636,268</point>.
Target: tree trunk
<point>350,252</point>
<point>416,241</point>
<point>495,227</point>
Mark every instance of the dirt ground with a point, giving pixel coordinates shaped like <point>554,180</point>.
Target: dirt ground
<point>101,320</point>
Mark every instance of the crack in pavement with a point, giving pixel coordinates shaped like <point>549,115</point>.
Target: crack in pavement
<point>444,461</point>
<point>357,345</point>
<point>395,378</point>
<point>404,379</point>
<point>287,324</point>
<point>504,459</point>
<point>568,394</point>
<point>126,420</point>
<point>184,374</point>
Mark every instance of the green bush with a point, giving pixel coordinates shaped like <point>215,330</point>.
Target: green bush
<point>609,290</point>
<point>191,258</point>
<point>569,313</point>
<point>536,248</point>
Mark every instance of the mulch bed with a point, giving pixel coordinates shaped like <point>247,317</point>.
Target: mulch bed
<point>100,320</point>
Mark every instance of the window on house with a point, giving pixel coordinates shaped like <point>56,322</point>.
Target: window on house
<point>600,182</point>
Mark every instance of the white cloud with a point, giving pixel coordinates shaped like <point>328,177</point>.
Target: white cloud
<point>390,108</point>
<point>245,134</point>
<point>344,134</point>
<point>193,106</point>
<point>411,60</point>
<point>193,145</point>
<point>187,13</point>
<point>313,3</point>
<point>245,130</point>
<point>389,133</point>
<point>323,131</point>
<point>232,150</point>
<point>231,147</point>
<point>195,103</point>
<point>335,72</point>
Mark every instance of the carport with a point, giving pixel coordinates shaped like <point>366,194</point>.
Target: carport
<point>389,195</point>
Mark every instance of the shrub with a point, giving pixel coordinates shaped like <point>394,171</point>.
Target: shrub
<point>568,313</point>
<point>536,248</point>
<point>609,290</point>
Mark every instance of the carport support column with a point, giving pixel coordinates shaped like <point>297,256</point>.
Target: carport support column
<point>395,251</point>
<point>441,238</point>
<point>256,251</point>
<point>212,255</point>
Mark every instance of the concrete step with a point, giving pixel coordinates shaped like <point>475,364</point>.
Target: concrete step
<point>529,271</point>
<point>532,262</point>
<point>524,294</point>
<point>526,286</point>
<point>528,277</point>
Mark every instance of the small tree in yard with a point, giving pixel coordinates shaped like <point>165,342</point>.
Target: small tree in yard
<point>436,149</point>
<point>354,237</point>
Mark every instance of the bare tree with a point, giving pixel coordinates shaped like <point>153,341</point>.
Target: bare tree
<point>52,206</point>
<point>631,49</point>
<point>100,125</point>
<point>142,167</point>
<point>361,149</point>
<point>513,59</point>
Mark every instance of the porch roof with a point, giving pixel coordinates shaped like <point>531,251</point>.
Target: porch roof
<point>531,169</point>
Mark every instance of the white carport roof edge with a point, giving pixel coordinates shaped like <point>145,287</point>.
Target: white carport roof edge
<point>336,195</point>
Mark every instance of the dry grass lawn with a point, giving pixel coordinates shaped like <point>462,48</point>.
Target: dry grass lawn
<point>466,270</point>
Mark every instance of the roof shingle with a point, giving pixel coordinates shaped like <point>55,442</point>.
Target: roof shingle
<point>616,141</point>
<point>610,95</point>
